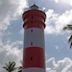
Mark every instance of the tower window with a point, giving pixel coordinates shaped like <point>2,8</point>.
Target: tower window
<point>31,43</point>
<point>31,58</point>
<point>31,30</point>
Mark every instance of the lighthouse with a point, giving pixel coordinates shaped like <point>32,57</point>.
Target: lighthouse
<point>34,43</point>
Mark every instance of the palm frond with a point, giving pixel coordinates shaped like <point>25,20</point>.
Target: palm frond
<point>68,27</point>
<point>20,69</point>
<point>5,68</point>
<point>70,45</point>
<point>70,39</point>
<point>10,66</point>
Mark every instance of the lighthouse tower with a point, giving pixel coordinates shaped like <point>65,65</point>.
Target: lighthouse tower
<point>34,48</point>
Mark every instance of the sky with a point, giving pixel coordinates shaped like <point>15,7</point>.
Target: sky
<point>58,55</point>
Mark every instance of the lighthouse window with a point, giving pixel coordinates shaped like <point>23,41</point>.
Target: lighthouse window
<point>31,58</point>
<point>31,43</point>
<point>31,30</point>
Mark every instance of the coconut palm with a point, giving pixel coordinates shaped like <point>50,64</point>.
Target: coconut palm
<point>69,27</point>
<point>11,66</point>
<point>20,69</point>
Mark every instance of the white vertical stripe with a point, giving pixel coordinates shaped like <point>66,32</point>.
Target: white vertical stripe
<point>34,37</point>
<point>33,70</point>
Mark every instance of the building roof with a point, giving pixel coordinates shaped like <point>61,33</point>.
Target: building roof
<point>34,6</point>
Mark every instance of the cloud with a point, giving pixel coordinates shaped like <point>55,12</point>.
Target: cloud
<point>9,10</point>
<point>56,1</point>
<point>55,21</point>
<point>64,65</point>
<point>10,52</point>
<point>69,2</point>
<point>39,3</point>
<point>50,21</point>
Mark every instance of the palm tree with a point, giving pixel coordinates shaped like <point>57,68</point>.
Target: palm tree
<point>69,27</point>
<point>20,69</point>
<point>10,66</point>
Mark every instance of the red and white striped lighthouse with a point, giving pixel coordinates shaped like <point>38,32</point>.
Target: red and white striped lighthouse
<point>34,47</point>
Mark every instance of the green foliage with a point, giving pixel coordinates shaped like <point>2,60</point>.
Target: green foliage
<point>69,27</point>
<point>20,69</point>
<point>10,66</point>
<point>70,41</point>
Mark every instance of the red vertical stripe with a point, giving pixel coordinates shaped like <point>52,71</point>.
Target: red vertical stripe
<point>34,18</point>
<point>34,57</point>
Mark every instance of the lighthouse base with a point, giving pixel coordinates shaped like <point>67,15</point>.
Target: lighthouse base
<point>33,70</point>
